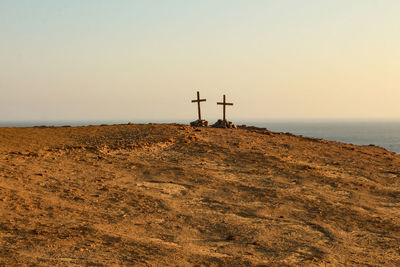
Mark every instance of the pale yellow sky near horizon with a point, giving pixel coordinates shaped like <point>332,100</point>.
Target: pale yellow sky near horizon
<point>127,60</point>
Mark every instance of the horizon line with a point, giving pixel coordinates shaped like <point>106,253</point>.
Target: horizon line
<point>27,123</point>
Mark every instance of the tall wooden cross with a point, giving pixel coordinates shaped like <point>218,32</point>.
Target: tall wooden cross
<point>198,103</point>
<point>224,104</point>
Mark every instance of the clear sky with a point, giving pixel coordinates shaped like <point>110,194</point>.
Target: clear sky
<point>127,59</point>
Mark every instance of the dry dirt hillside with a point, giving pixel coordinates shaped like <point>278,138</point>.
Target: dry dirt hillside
<point>173,195</point>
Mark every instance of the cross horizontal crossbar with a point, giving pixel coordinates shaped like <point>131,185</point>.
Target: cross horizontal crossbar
<point>222,103</point>
<point>200,100</point>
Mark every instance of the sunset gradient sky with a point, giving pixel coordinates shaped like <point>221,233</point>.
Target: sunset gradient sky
<point>130,60</point>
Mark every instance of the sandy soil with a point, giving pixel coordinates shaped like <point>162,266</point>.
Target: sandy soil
<point>173,195</point>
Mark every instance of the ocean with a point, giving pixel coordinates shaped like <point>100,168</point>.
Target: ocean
<point>384,133</point>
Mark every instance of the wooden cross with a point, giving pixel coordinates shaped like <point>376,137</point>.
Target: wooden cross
<point>224,104</point>
<point>198,103</point>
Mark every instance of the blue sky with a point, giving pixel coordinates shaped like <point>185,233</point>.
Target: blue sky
<point>117,60</point>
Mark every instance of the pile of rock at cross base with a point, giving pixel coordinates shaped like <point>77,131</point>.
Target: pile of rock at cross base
<point>199,123</point>
<point>224,124</point>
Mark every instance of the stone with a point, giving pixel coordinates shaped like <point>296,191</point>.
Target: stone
<point>224,124</point>
<point>199,123</point>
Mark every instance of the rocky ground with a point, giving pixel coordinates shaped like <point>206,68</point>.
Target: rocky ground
<point>174,195</point>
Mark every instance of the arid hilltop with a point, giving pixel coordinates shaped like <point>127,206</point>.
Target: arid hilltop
<point>175,195</point>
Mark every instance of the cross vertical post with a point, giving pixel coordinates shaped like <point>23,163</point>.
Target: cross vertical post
<point>198,100</point>
<point>224,116</point>
<point>198,105</point>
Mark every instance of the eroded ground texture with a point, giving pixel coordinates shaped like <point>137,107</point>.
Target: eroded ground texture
<point>173,195</point>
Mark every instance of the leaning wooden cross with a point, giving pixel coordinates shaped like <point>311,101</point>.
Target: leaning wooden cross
<point>198,103</point>
<point>224,123</point>
<point>224,104</point>
<point>199,122</point>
